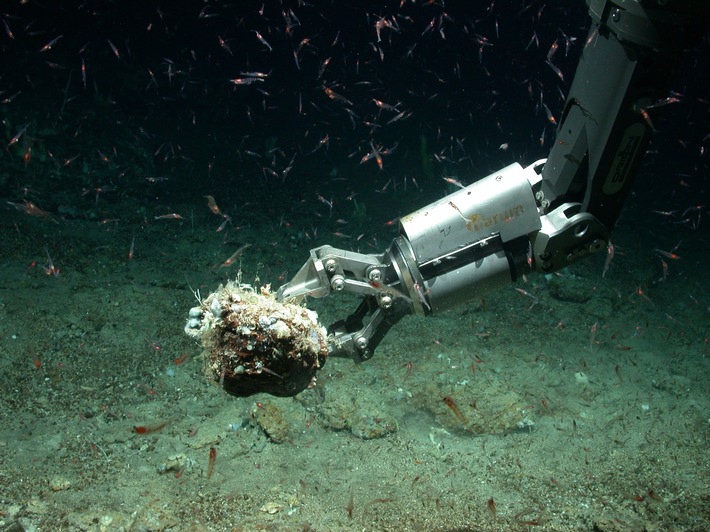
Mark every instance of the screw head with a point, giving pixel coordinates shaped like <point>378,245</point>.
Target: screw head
<point>597,245</point>
<point>375,275</point>
<point>337,283</point>
<point>361,343</point>
<point>331,265</point>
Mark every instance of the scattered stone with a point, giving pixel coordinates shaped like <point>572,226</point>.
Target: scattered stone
<point>58,483</point>
<point>272,421</point>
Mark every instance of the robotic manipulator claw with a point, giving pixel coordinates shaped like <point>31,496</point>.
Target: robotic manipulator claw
<point>479,238</point>
<point>543,217</point>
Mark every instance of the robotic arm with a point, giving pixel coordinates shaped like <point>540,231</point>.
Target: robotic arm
<point>540,218</point>
<point>447,253</point>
